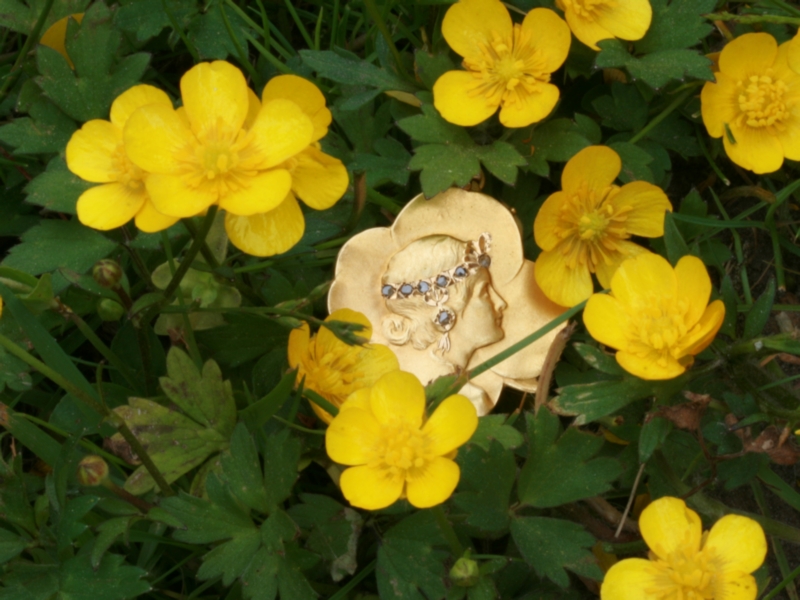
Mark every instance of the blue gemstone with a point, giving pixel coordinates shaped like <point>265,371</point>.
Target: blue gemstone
<point>424,287</point>
<point>441,281</point>
<point>485,260</point>
<point>444,318</point>
<point>386,291</point>
<point>406,289</point>
<point>460,272</point>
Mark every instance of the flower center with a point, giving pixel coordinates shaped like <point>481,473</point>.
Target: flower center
<point>403,452</point>
<point>335,373</point>
<point>587,9</point>
<point>761,101</point>
<point>659,326</point>
<point>126,172</point>
<point>218,158</point>
<point>684,574</point>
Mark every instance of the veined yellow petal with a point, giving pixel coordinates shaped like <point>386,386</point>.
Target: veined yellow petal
<point>628,20</point>
<point>215,96</point>
<point>149,220</point>
<point>701,336</point>
<point>640,278</point>
<point>749,54</point>
<point>133,98</point>
<point>597,166</point>
<point>469,23</point>
<point>451,425</point>
<point>352,437</point>
<point>736,543</point>
<point>358,399</point>
<point>648,204</point>
<point>299,339</point>
<point>606,268</point>
<point>736,586</point>
<point>793,53</point>
<point>398,395</point>
<point>318,179</point>
<point>564,285</point>
<point>370,488</point>
<point>755,149</point>
<point>694,287</point>
<point>529,107</point>
<point>545,31</point>
<point>306,95</point>
<point>328,341</point>
<point>91,151</point>
<point>629,579</point>
<point>172,196</point>
<point>267,234</point>
<point>154,134</point>
<point>435,484</point>
<point>719,104</point>
<point>280,131</point>
<point>586,30</point>
<point>253,108</point>
<point>260,193</point>
<point>653,366</point>
<point>109,205</point>
<point>454,97</point>
<point>607,321</point>
<point>548,221</point>
<point>668,525</point>
<point>375,361</point>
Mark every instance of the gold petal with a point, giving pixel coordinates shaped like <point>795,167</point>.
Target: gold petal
<point>627,20</point>
<point>154,134</point>
<point>643,277</point>
<point>303,93</point>
<point>562,284</point>
<point>280,131</point>
<point>253,108</point>
<point>470,23</point>
<point>694,287</point>
<point>793,53</point>
<point>451,425</point>
<point>701,336</point>
<point>529,107</point>
<point>327,340</point>
<point>398,395</point>
<point>629,579</point>
<point>668,526</point>
<point>319,179</point>
<point>597,166</point>
<point>654,366</point>
<point>455,98</point>
<point>648,204</point>
<point>299,339</point>
<point>172,196</point>
<point>586,30</point>
<point>719,104</point>
<point>435,484</point>
<point>109,205</point>
<point>606,268</point>
<point>91,151</point>
<point>736,543</point>
<point>267,234</point>
<point>607,322</point>
<point>548,221</point>
<point>749,54</point>
<point>755,149</point>
<point>370,488</point>
<point>257,194</point>
<point>133,98</point>
<point>215,95</point>
<point>543,30</point>
<point>352,436</point>
<point>736,586</point>
<point>149,220</point>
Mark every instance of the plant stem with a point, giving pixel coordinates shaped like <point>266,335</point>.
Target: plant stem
<point>748,19</point>
<point>33,38</point>
<point>448,532</point>
<point>777,589</point>
<point>664,113</point>
<point>179,30</point>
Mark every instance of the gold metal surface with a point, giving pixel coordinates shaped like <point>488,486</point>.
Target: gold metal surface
<point>456,327</point>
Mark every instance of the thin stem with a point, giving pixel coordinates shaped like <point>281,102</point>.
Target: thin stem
<point>242,56</point>
<point>139,450</point>
<point>208,255</point>
<point>344,591</point>
<point>778,588</point>
<point>298,427</point>
<point>13,74</point>
<point>749,19</point>
<point>194,352</point>
<point>447,530</point>
<point>379,21</point>
<point>173,21</point>
<point>664,113</point>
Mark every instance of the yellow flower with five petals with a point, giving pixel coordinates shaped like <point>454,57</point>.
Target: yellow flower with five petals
<point>585,228</point>
<point>595,20</point>
<point>334,369</point>
<point>687,563</point>
<point>96,153</point>
<point>507,65</point>
<point>657,317</point>
<point>392,450</point>
<point>754,104</point>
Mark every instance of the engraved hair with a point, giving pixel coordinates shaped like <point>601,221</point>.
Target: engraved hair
<point>413,317</point>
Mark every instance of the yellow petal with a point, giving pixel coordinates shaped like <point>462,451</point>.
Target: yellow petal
<point>369,488</point>
<point>456,101</point>
<point>793,56</point>
<point>653,366</point>
<point>280,131</point>
<point>358,399</point>
<point>470,23</point>
<point>749,54</point>
<point>668,526</point>
<point>648,205</point>
<point>737,543</point>
<point>586,30</point>
<point>109,205</point>
<point>398,395</point>
<point>149,220</point>
<point>719,104</point>
<point>172,196</point>
<point>214,95</point>
<point>755,149</point>
<point>629,579</point>
<point>694,287</point>
<point>153,135</point>
<point>299,339</point>
<point>451,425</point>
<point>318,179</point>
<point>328,342</point>
<point>56,35</point>
<point>258,194</point>
<point>267,234</point>
<point>598,166</point>
<point>303,93</point>
<point>548,221</point>
<point>702,334</point>
<point>435,484</point>
<point>543,30</point>
<point>641,277</point>
<point>253,108</point>
<point>563,285</point>
<point>606,320</point>
<point>91,151</point>
<point>352,436</point>
<point>628,20</point>
<point>529,107</point>
<point>136,97</point>
<point>606,268</point>
<point>375,361</point>
<point>736,586</point>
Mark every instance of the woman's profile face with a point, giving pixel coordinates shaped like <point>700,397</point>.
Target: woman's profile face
<point>481,319</point>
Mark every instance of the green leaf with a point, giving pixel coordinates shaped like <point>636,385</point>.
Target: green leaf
<point>431,128</point>
<point>86,92</point>
<point>560,467</point>
<point>485,486</point>
<point>56,189</point>
<point>146,18</point>
<point>493,427</point>
<point>502,160</point>
<point>210,36</point>
<point>653,434</point>
<point>334,531</point>
<point>353,71</point>
<point>741,470</point>
<point>444,166</point>
<point>597,359</point>
<point>673,240</point>
<point>47,130</point>
<point>258,413</point>
<point>561,139</point>
<point>390,165</point>
<point>108,532</point>
<point>15,506</point>
<point>624,110</point>
<point>552,545</point>
<point>22,17</point>
<point>731,300</point>
<point>590,401</point>
<point>656,69</point>
<point>206,522</point>
<point>429,67</point>
<point>635,162</point>
<point>11,545</point>
<point>204,397</point>
<point>281,454</point>
<point>242,470</point>
<point>676,24</point>
<point>758,315</point>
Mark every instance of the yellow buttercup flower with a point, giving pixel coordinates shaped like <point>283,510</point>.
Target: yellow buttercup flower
<point>794,53</point>
<point>507,65</point>
<point>96,153</point>
<point>392,450</point>
<point>56,35</point>
<point>585,228</point>
<point>754,105</point>
<point>202,154</point>
<point>687,563</point>
<point>334,369</point>
<point>657,317</point>
<point>318,179</point>
<point>595,20</point>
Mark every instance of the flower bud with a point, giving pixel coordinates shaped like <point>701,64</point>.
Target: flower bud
<point>92,470</point>
<point>107,273</point>
<point>110,310</point>
<point>465,572</point>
